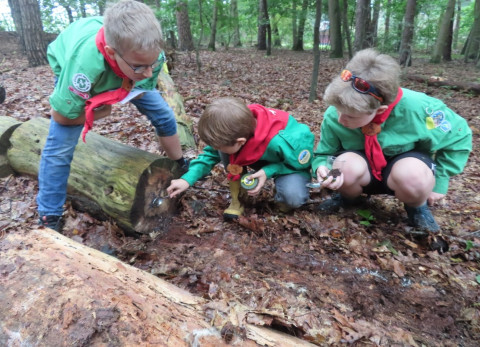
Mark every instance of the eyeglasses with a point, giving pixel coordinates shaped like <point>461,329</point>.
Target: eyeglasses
<point>360,85</point>
<point>141,69</point>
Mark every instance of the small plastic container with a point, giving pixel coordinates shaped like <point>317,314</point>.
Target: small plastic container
<point>248,183</point>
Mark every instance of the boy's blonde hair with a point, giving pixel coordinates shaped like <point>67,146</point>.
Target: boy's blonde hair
<point>224,121</point>
<point>381,70</point>
<point>131,26</point>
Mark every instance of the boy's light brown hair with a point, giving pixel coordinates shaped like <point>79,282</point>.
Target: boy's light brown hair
<point>131,26</point>
<point>224,121</point>
<point>381,70</point>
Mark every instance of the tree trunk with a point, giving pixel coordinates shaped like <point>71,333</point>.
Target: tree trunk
<point>269,29</point>
<point>58,292</point>
<point>28,21</point>
<point>107,178</point>
<point>213,27</point>
<point>336,41</point>
<point>185,40</point>
<point>387,22</point>
<point>236,40</point>
<point>472,47</point>
<point>373,25</point>
<point>262,26</point>
<point>316,51</point>
<point>443,33</point>
<point>407,35</point>
<point>456,26</point>
<point>294,24</point>
<point>473,88</point>
<point>301,26</point>
<point>346,28</point>
<point>361,23</point>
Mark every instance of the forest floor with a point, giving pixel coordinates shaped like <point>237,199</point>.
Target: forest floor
<point>331,279</point>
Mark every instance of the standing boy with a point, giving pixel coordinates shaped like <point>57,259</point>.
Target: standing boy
<point>269,141</point>
<point>391,140</point>
<point>97,62</point>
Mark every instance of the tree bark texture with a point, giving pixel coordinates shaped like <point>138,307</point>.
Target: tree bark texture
<point>106,177</point>
<point>443,32</point>
<point>316,51</point>
<point>335,29</point>
<point>407,35</point>
<point>262,26</point>
<point>57,292</point>
<point>301,26</point>
<point>31,30</point>
<point>236,40</point>
<point>213,27</point>
<point>361,24</point>
<point>185,40</point>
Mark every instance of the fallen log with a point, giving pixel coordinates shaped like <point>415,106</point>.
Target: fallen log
<point>439,82</point>
<point>107,178</point>
<point>57,292</point>
<point>7,126</point>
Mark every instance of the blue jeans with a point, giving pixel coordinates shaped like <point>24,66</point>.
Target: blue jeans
<point>291,189</point>
<point>57,154</point>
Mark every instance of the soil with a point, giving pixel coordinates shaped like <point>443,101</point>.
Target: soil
<point>360,276</point>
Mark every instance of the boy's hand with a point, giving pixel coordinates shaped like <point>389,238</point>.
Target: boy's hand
<point>434,198</point>
<point>262,178</point>
<point>330,182</point>
<point>176,187</point>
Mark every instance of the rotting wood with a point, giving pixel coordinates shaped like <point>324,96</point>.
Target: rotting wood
<point>59,292</point>
<point>107,178</point>
<point>7,126</point>
<point>473,88</point>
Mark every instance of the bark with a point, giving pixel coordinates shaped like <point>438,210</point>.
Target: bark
<point>361,23</point>
<point>294,24</point>
<point>335,29</point>
<point>316,51</point>
<point>28,22</point>
<point>443,33</point>
<point>7,126</point>
<point>407,35</point>
<point>472,46</point>
<point>473,88</point>
<point>57,292</point>
<point>213,27</point>
<point>301,26</point>
<point>346,28</point>
<point>236,40</point>
<point>185,40</point>
<point>262,26</point>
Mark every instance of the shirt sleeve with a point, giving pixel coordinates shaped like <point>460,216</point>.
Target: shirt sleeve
<point>201,166</point>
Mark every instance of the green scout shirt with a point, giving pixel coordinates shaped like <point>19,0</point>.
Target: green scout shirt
<point>290,151</point>
<point>418,122</point>
<point>81,70</point>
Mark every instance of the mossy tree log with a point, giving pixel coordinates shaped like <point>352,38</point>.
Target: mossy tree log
<point>7,126</point>
<point>57,292</point>
<point>107,178</point>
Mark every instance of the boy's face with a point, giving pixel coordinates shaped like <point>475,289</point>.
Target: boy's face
<point>354,120</point>
<point>128,61</point>
<point>233,148</point>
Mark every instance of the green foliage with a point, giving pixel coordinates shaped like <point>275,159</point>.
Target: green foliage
<point>367,216</point>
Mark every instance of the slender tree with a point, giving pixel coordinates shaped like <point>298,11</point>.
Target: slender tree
<point>294,24</point>
<point>200,37</point>
<point>443,33</point>
<point>456,25</point>
<point>407,35</point>
<point>264,28</point>
<point>346,28</point>
<point>388,12</point>
<point>28,22</point>
<point>236,41</point>
<point>213,27</point>
<point>472,47</point>
<point>316,51</point>
<point>336,41</point>
<point>373,25</point>
<point>361,23</point>
<point>301,26</point>
<point>185,40</point>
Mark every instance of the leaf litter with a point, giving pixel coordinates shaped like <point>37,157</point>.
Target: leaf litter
<point>328,279</point>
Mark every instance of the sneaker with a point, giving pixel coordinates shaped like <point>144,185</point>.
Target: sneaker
<point>52,222</point>
<point>337,201</point>
<point>421,218</point>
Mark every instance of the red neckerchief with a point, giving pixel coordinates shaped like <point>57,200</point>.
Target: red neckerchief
<point>373,151</point>
<point>269,123</point>
<point>109,97</point>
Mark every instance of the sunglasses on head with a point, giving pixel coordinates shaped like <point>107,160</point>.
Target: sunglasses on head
<point>360,85</point>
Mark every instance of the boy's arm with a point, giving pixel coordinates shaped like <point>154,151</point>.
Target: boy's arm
<point>201,166</point>
<point>329,142</point>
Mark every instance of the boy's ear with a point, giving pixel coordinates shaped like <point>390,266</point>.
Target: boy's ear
<point>110,51</point>
<point>381,109</point>
<point>241,141</point>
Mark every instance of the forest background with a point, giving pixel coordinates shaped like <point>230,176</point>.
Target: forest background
<point>354,277</point>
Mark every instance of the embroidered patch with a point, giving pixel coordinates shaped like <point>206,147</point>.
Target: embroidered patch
<point>304,156</point>
<point>85,96</point>
<point>81,82</point>
<point>437,120</point>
